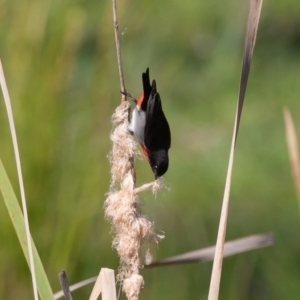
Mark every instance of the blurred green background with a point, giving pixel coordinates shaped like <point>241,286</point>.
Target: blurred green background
<point>60,64</point>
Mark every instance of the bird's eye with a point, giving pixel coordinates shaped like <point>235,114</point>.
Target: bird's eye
<point>155,167</point>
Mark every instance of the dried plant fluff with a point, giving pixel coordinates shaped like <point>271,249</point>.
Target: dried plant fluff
<point>130,226</point>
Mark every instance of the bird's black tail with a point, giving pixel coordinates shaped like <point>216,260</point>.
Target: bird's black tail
<point>147,88</point>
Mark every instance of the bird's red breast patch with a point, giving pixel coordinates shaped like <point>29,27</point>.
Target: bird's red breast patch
<point>140,100</point>
<point>145,152</point>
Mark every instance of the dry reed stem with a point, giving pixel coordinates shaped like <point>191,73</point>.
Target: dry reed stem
<point>252,26</point>
<point>230,248</point>
<point>292,143</point>
<point>106,285</point>
<point>131,228</point>
<point>76,286</point>
<point>118,48</point>
<point>20,177</point>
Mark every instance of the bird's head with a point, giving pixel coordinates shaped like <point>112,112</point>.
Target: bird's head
<point>159,161</point>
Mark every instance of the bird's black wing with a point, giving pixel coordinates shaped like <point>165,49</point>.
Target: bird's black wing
<point>157,130</point>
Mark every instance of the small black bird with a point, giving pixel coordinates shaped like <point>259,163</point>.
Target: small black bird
<point>151,127</point>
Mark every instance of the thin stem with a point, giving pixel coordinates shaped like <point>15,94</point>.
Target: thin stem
<point>292,143</point>
<point>65,285</point>
<point>252,26</point>
<point>118,48</point>
<point>20,177</point>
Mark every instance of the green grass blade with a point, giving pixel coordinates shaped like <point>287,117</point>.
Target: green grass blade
<point>17,219</point>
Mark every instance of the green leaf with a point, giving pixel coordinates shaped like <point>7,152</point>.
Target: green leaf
<point>17,219</point>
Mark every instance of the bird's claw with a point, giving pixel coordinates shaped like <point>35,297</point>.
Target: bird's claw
<point>129,96</point>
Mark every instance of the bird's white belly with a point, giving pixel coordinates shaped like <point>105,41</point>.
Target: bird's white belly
<point>137,124</point>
